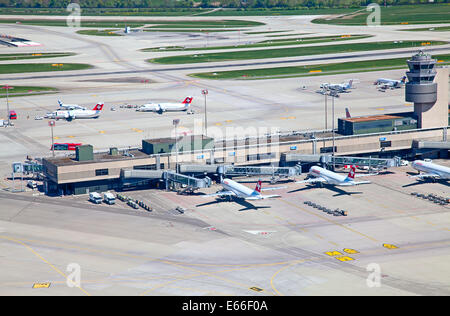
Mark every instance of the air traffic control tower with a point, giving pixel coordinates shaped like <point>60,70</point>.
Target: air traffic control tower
<point>427,88</point>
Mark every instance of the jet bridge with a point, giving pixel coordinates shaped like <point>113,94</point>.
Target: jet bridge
<point>236,171</point>
<point>372,163</point>
<point>184,184</point>
<point>274,172</point>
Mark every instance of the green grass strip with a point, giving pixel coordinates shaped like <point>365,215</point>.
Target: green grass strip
<point>315,70</point>
<point>288,52</point>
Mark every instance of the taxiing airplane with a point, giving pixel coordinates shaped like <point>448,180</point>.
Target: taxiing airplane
<point>166,107</point>
<point>70,115</point>
<point>70,106</point>
<point>323,176</point>
<point>390,83</point>
<point>431,170</point>
<point>343,87</point>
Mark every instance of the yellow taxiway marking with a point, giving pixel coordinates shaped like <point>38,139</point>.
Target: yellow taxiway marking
<point>380,109</point>
<point>389,246</point>
<point>333,253</point>
<point>56,137</point>
<point>344,258</point>
<point>71,136</point>
<point>101,132</point>
<point>351,251</point>
<point>256,289</point>
<point>218,124</point>
<point>45,285</point>
<point>228,121</point>
<point>43,259</point>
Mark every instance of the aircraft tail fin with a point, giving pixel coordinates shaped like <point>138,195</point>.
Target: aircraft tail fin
<point>350,83</point>
<point>60,103</point>
<point>403,79</point>
<point>98,107</point>
<point>351,174</point>
<point>347,113</point>
<point>188,100</point>
<point>258,187</point>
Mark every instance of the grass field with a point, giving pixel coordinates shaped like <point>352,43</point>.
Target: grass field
<point>109,32</point>
<point>268,43</point>
<point>403,14</point>
<point>21,68</point>
<point>122,23</point>
<point>315,70</point>
<point>20,91</point>
<point>288,52</point>
<point>172,11</point>
<point>33,56</point>
<point>434,29</point>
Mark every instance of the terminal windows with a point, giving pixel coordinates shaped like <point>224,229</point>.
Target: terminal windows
<point>101,172</point>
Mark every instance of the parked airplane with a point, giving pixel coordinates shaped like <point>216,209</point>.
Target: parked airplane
<point>70,115</point>
<point>233,189</point>
<point>343,87</point>
<point>70,106</point>
<point>165,107</point>
<point>323,176</point>
<point>390,83</point>
<point>347,113</point>
<point>432,170</point>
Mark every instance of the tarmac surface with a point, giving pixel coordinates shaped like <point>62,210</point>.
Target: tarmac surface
<point>277,247</point>
<point>280,247</point>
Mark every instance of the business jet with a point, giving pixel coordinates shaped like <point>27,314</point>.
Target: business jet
<point>166,107</point>
<point>431,170</point>
<point>343,87</point>
<point>390,83</point>
<point>70,115</point>
<point>323,176</point>
<point>64,106</point>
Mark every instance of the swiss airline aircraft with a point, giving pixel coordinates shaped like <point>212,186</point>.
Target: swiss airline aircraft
<point>70,115</point>
<point>166,107</point>
<point>431,170</point>
<point>70,106</point>
<point>390,82</point>
<point>324,176</point>
<point>343,87</point>
<point>233,189</point>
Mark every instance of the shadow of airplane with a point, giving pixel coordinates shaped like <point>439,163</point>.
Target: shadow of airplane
<point>329,187</point>
<point>426,180</point>
<point>242,202</point>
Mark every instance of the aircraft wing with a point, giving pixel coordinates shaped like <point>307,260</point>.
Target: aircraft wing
<point>360,175</point>
<point>262,197</point>
<point>221,193</point>
<point>272,189</point>
<point>361,182</point>
<point>425,175</point>
<point>315,180</point>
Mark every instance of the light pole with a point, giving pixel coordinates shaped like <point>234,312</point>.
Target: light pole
<point>332,126</point>
<point>326,118</point>
<point>7,100</point>
<point>205,93</point>
<point>175,123</point>
<point>51,124</point>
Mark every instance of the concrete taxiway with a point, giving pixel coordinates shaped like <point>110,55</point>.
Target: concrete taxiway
<point>281,247</point>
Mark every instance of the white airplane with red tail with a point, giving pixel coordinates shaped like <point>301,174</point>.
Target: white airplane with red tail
<point>166,107</point>
<point>324,176</point>
<point>70,115</point>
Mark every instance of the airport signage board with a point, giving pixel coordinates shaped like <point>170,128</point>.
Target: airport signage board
<point>17,167</point>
